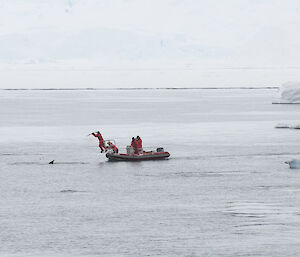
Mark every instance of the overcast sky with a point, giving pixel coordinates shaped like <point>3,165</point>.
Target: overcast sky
<point>259,33</point>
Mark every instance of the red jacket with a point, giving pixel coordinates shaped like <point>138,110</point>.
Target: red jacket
<point>112,146</point>
<point>133,144</point>
<point>98,135</point>
<point>139,143</point>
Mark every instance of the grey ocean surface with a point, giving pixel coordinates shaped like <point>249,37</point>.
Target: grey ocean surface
<point>225,191</point>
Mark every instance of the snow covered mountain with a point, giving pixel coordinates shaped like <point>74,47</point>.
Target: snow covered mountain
<point>189,30</point>
<point>166,42</point>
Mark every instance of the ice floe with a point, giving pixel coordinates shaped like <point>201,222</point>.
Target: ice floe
<point>287,126</point>
<point>282,125</point>
<point>289,93</point>
<point>294,164</point>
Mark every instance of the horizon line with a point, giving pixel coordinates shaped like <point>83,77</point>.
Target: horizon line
<point>133,88</point>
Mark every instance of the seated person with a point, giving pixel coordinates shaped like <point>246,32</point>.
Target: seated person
<point>113,147</point>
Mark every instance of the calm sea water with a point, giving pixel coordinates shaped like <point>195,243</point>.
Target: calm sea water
<point>225,191</point>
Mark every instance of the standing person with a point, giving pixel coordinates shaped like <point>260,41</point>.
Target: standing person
<point>139,143</point>
<point>101,141</point>
<point>133,144</point>
<point>113,147</point>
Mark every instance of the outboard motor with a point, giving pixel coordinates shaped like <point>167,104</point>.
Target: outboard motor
<point>130,149</point>
<point>160,149</point>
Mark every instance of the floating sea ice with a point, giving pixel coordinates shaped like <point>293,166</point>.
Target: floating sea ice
<point>294,164</point>
<point>282,125</point>
<point>295,127</point>
<point>289,93</point>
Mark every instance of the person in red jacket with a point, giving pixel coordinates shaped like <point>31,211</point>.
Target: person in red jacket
<point>139,143</point>
<point>101,141</point>
<point>113,147</point>
<point>133,144</point>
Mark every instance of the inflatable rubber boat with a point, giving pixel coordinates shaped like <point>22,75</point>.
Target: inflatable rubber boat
<point>159,154</point>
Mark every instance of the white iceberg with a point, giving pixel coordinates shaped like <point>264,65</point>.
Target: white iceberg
<point>282,125</point>
<point>295,127</point>
<point>294,164</point>
<point>285,126</point>
<point>289,93</point>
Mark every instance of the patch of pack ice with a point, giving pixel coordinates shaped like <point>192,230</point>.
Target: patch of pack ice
<point>289,93</point>
<point>294,164</point>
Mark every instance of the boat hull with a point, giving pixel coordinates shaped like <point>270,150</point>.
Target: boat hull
<point>137,157</point>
